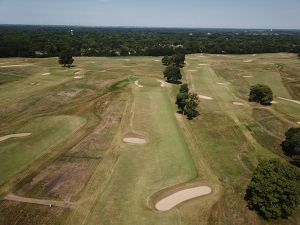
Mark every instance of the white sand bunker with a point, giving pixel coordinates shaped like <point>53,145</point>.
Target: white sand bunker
<point>238,103</point>
<point>205,97</point>
<point>298,123</point>
<point>78,77</point>
<point>156,60</point>
<point>46,74</point>
<point>162,83</point>
<point>290,100</point>
<point>222,83</point>
<point>19,65</point>
<point>202,64</point>
<point>248,61</point>
<point>137,84</point>
<point>134,140</point>
<point>274,102</point>
<point>174,199</point>
<point>247,76</point>
<point>6,137</point>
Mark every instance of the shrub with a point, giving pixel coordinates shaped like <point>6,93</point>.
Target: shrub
<point>291,144</point>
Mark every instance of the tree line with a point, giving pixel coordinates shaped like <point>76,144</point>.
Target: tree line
<point>49,41</point>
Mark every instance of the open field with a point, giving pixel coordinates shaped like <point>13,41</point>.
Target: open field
<point>106,143</point>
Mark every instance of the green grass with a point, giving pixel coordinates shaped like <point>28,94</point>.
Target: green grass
<point>47,132</point>
<point>143,170</point>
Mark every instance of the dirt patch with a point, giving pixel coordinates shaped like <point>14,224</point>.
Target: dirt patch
<point>69,93</point>
<point>134,140</point>
<point>238,103</point>
<point>61,180</point>
<point>46,74</point>
<point>137,84</point>
<point>290,100</point>
<point>6,137</point>
<point>62,204</point>
<point>178,197</point>
<point>205,97</point>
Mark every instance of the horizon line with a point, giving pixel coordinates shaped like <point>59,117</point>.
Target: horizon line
<point>149,27</point>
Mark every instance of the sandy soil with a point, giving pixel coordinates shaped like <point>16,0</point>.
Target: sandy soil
<point>290,100</point>
<point>46,74</point>
<point>205,97</point>
<point>3,138</point>
<point>174,199</point>
<point>238,103</point>
<point>12,197</point>
<point>137,84</point>
<point>134,140</point>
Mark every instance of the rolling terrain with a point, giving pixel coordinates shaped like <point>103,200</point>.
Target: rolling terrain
<point>102,142</point>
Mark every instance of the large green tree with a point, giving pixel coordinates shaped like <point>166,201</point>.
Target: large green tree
<point>172,74</point>
<point>184,88</point>
<point>191,104</point>
<point>66,58</point>
<point>261,93</point>
<point>291,144</point>
<point>274,190</point>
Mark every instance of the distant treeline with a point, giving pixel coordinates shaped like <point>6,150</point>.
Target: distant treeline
<point>47,41</point>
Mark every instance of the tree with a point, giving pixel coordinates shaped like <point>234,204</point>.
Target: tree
<point>181,99</point>
<point>178,60</point>
<point>274,190</point>
<point>184,88</point>
<point>291,144</point>
<point>191,104</point>
<point>172,74</point>
<point>66,58</point>
<point>166,60</point>
<point>261,93</point>
<point>299,55</point>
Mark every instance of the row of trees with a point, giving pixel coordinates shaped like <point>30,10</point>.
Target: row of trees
<point>186,102</point>
<point>49,41</point>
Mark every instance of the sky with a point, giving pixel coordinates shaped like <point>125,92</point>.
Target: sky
<point>283,14</point>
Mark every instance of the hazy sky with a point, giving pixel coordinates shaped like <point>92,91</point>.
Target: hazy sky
<point>157,13</point>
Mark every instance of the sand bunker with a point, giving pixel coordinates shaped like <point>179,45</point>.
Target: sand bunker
<point>238,103</point>
<point>205,97</point>
<point>6,137</point>
<point>298,123</point>
<point>290,100</point>
<point>222,83</point>
<point>174,199</point>
<point>162,83</point>
<point>78,77</point>
<point>19,65</point>
<point>247,76</point>
<point>156,60</point>
<point>46,74</point>
<point>274,102</point>
<point>192,70</point>
<point>248,61</point>
<point>202,64</point>
<point>137,84</point>
<point>134,140</point>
